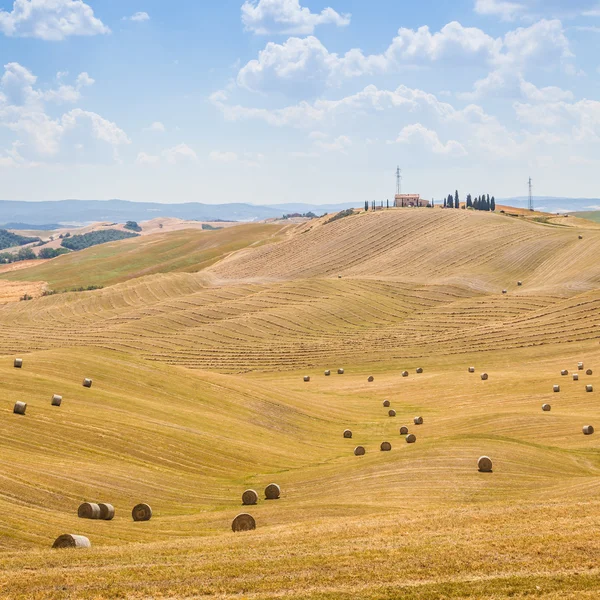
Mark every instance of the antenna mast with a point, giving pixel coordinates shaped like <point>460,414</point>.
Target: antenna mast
<point>398,181</point>
<point>530,195</point>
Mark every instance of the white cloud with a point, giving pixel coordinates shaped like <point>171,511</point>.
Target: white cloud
<point>23,111</point>
<point>178,154</point>
<point>417,133</point>
<point>138,17</point>
<point>287,17</point>
<point>578,121</point>
<point>501,8</point>
<point>339,144</point>
<point>146,159</point>
<point>305,63</point>
<point>157,126</point>
<point>102,129</point>
<point>52,20</point>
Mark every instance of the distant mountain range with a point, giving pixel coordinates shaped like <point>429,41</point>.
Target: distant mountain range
<point>25,215</point>
<point>88,211</point>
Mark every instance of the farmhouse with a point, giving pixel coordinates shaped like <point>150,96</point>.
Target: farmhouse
<point>409,200</point>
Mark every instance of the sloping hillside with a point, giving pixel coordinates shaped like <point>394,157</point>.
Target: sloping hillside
<point>188,250</point>
<point>198,394</point>
<point>432,284</point>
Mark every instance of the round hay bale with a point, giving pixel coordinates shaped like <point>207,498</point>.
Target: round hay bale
<point>20,408</point>
<point>575,376</point>
<point>243,522</point>
<point>505,291</point>
<point>88,510</point>
<point>69,540</point>
<point>347,434</point>
<point>418,420</point>
<point>371,379</point>
<point>556,389</point>
<point>272,492</point>
<point>411,438</point>
<point>107,511</point>
<point>589,388</point>
<point>141,512</point>
<point>56,400</point>
<point>471,369</point>
<point>392,413</point>
<point>249,497</point>
<point>386,403</point>
<point>546,407</point>
<point>339,276</point>
<point>306,378</point>
<point>404,373</point>
<point>359,451</point>
<point>340,371</point>
<point>87,383</point>
<point>18,363</point>
<point>484,377</point>
<point>519,283</point>
<point>580,366</point>
<point>403,430</point>
<point>420,370</point>
<point>580,237</point>
<point>564,372</point>
<point>485,464</point>
<point>385,446</point>
<point>327,373</point>
<point>588,430</point>
<point>589,372</point>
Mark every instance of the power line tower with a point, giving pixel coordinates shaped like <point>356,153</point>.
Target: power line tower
<point>530,194</point>
<point>398,181</point>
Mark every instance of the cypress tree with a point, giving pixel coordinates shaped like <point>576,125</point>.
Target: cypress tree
<point>493,204</point>
<point>444,202</point>
<point>469,201</point>
<point>450,201</point>
<point>366,206</point>
<point>456,200</point>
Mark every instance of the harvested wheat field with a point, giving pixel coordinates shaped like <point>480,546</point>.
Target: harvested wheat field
<point>198,395</point>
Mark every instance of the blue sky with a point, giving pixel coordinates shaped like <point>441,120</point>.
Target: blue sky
<point>270,101</point>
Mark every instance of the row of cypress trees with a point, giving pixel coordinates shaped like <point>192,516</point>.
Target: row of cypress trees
<point>479,203</point>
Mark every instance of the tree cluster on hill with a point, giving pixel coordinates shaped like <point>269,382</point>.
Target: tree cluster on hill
<point>344,213</point>
<point>479,203</point>
<point>132,226</point>
<point>9,239</point>
<point>308,215</point>
<point>207,227</point>
<point>12,257</point>
<point>86,240</point>
<point>52,252</point>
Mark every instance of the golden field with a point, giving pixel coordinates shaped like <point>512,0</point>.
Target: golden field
<point>198,394</point>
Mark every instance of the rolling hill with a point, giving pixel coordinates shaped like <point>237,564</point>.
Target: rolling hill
<point>198,353</point>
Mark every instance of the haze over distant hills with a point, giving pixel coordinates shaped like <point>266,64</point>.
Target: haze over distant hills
<point>87,211</point>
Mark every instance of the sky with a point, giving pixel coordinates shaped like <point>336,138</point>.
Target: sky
<point>316,101</point>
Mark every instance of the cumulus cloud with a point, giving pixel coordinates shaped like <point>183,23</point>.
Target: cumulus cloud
<point>52,20</point>
<point>287,17</point>
<point>178,154</point>
<point>144,158</point>
<point>23,111</point>
<point>157,127</point>
<point>499,8</point>
<point>138,17</point>
<point>509,10</point>
<point>417,133</point>
<point>306,64</point>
